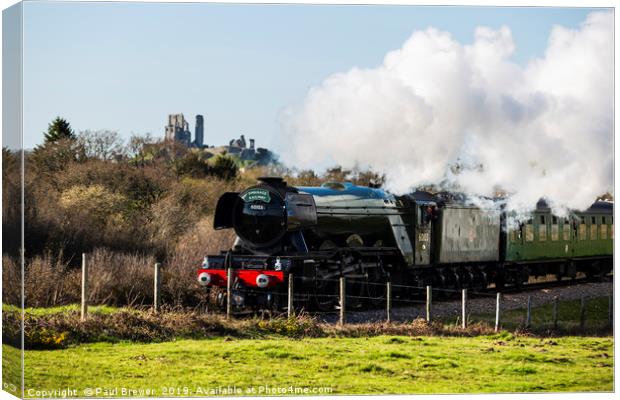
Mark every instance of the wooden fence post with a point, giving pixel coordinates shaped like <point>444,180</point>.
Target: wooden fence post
<point>229,284</point>
<point>157,287</point>
<point>610,310</point>
<point>290,310</point>
<point>388,294</point>
<point>555,312</point>
<point>528,317</point>
<point>464,310</point>
<point>429,301</point>
<point>582,313</point>
<point>498,298</point>
<point>342,300</point>
<point>84,308</point>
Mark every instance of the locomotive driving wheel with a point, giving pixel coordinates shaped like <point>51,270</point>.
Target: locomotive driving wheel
<point>375,286</point>
<point>355,290</point>
<point>325,296</point>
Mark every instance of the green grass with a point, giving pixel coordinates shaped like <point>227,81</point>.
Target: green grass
<point>11,369</point>
<point>375,365</point>
<point>71,308</point>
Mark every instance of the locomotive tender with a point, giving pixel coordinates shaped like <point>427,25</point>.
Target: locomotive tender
<point>370,236</point>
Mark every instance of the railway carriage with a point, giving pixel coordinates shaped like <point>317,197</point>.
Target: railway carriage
<point>370,236</point>
<point>545,243</point>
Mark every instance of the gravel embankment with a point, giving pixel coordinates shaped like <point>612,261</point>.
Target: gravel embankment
<point>480,304</point>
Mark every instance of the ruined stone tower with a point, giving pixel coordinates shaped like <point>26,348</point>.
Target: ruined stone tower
<point>199,131</point>
<point>178,129</point>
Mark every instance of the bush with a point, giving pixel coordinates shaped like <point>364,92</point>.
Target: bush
<point>60,329</point>
<point>114,278</point>
<point>223,167</point>
<point>11,281</point>
<point>191,165</point>
<point>120,278</point>
<point>180,286</point>
<point>47,281</point>
<point>94,200</point>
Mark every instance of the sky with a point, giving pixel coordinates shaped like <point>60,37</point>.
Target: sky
<point>126,66</point>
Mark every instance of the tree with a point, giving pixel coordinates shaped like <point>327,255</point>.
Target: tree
<point>369,178</point>
<point>52,157</point>
<point>58,129</point>
<point>337,174</point>
<point>104,145</point>
<point>308,177</point>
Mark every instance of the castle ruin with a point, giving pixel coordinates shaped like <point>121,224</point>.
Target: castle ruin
<point>178,130</point>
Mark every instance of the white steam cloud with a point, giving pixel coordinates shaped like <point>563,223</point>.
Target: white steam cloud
<point>540,131</point>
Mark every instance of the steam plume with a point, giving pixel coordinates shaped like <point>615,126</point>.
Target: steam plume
<point>465,116</point>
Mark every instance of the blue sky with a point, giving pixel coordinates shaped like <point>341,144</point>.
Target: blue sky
<point>126,66</point>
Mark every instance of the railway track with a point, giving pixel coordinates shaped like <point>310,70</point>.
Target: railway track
<point>553,283</point>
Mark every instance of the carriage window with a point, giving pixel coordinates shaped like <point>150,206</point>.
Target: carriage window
<point>542,229</point>
<point>555,229</point>
<point>529,231</point>
<point>565,229</point>
<point>604,228</point>
<point>582,228</point>
<point>519,232</point>
<point>513,235</point>
<point>512,230</point>
<point>593,229</point>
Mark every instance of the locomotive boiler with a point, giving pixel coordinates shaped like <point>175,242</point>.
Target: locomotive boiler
<point>370,236</point>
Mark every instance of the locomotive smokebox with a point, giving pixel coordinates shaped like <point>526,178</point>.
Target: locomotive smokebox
<point>263,214</point>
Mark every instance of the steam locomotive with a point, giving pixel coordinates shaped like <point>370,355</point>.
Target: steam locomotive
<point>370,236</point>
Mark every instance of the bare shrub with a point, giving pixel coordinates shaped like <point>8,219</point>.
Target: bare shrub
<point>120,278</point>
<point>45,283</point>
<point>11,280</point>
<point>179,275</point>
<point>115,278</point>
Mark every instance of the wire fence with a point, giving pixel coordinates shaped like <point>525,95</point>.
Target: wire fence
<point>388,300</point>
<point>340,295</point>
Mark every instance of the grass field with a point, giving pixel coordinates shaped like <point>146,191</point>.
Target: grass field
<point>300,355</point>
<point>380,364</point>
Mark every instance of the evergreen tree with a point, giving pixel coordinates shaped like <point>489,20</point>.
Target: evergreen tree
<point>57,130</point>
